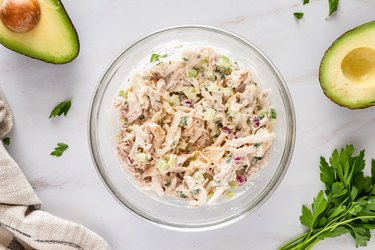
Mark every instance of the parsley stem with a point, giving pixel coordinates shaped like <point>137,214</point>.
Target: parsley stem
<point>332,227</point>
<point>293,242</point>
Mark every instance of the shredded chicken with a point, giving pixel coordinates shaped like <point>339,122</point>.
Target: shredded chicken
<point>196,127</point>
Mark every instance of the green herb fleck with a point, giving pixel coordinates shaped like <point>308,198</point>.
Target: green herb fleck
<point>181,194</point>
<point>257,158</point>
<point>272,114</point>
<point>156,57</point>
<point>195,191</point>
<point>183,121</point>
<point>141,117</point>
<point>185,59</point>
<point>6,141</point>
<point>306,2</point>
<point>59,150</point>
<point>333,4</point>
<point>298,15</point>
<point>62,108</point>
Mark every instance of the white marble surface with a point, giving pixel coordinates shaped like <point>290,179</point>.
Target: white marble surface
<point>69,186</point>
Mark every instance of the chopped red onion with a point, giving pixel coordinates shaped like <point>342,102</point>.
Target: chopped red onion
<point>226,130</point>
<point>241,179</point>
<point>237,159</point>
<point>187,103</point>
<point>256,121</point>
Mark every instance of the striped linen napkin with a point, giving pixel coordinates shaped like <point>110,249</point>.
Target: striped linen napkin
<point>22,224</point>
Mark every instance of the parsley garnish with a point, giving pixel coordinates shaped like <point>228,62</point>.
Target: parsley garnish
<point>181,194</point>
<point>6,140</point>
<point>59,150</point>
<point>156,57</point>
<point>333,4</point>
<point>347,205</point>
<point>306,2</point>
<point>62,108</point>
<point>298,15</point>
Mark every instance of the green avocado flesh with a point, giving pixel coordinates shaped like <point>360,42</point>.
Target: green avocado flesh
<point>347,70</point>
<point>53,40</point>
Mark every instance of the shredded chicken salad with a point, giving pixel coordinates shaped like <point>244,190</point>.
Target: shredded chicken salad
<point>195,127</point>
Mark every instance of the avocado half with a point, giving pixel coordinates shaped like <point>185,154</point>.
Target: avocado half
<point>347,70</point>
<point>53,40</point>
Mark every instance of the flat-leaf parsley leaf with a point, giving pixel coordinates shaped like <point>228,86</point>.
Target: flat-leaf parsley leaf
<point>61,108</point>
<point>298,15</point>
<point>59,150</point>
<point>333,4</point>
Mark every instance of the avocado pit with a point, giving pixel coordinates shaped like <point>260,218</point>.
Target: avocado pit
<point>20,15</point>
<point>358,65</point>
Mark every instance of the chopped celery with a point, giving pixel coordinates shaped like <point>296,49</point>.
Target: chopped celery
<point>233,112</point>
<point>233,184</point>
<point>212,87</point>
<point>171,161</point>
<point>192,73</point>
<point>224,65</point>
<point>224,61</point>
<point>209,114</point>
<point>190,92</point>
<point>156,57</point>
<point>198,177</point>
<point>162,166</point>
<point>228,91</point>
<point>121,93</point>
<point>174,100</point>
<point>230,194</point>
<point>141,157</point>
<point>124,93</point>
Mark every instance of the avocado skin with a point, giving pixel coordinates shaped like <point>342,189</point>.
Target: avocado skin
<point>51,61</point>
<point>321,69</point>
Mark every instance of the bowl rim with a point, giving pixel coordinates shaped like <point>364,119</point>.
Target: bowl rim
<point>260,199</point>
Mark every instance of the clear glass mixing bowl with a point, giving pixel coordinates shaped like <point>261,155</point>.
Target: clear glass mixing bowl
<point>165,211</point>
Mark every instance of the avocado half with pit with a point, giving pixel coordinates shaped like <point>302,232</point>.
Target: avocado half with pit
<point>347,70</point>
<point>40,29</point>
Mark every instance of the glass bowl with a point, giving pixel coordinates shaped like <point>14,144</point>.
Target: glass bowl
<point>165,211</point>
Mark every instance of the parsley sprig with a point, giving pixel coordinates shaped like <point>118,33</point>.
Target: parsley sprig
<point>346,206</point>
<point>61,108</point>
<point>333,4</point>
<point>59,150</point>
<point>298,15</point>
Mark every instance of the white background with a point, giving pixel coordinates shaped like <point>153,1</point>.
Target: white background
<point>69,186</point>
